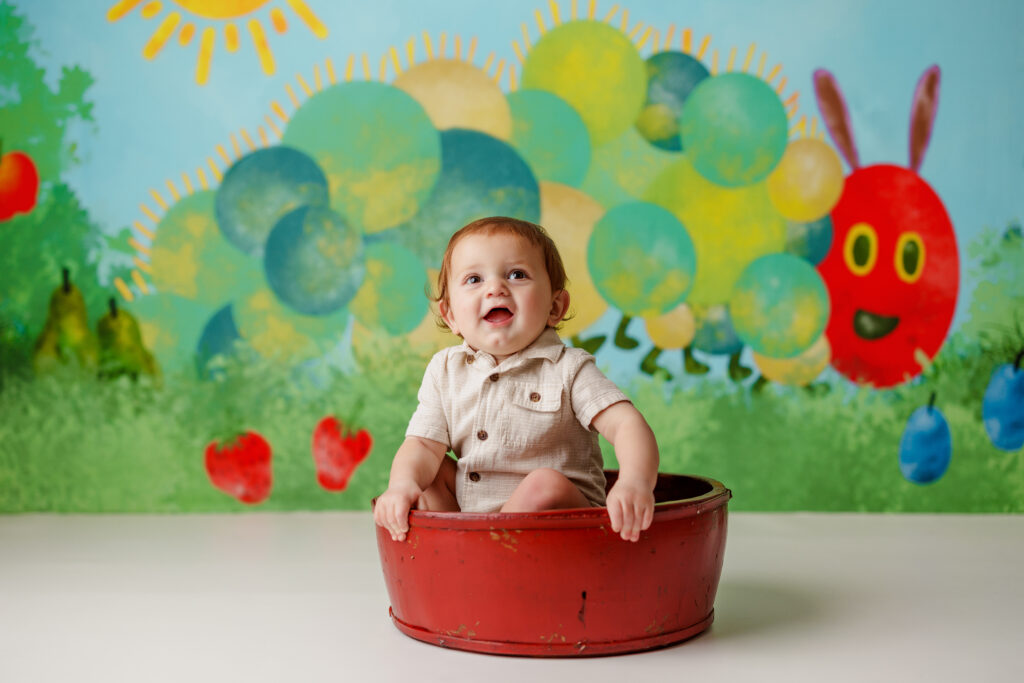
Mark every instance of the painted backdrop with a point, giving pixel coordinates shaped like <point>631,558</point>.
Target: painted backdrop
<point>792,233</point>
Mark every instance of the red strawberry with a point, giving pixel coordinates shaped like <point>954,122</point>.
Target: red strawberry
<point>338,455</point>
<point>241,468</point>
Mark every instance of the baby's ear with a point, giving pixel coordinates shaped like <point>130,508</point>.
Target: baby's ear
<point>559,307</point>
<point>449,319</point>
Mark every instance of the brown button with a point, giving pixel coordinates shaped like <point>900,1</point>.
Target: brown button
<point>535,397</point>
<point>470,359</point>
<point>494,377</point>
<point>474,476</point>
<point>482,435</point>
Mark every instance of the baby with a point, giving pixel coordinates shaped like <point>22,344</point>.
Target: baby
<point>520,411</point>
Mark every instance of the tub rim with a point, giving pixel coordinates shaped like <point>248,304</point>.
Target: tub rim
<point>574,518</point>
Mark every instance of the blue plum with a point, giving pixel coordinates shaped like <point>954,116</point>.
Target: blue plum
<point>926,446</point>
<point>1002,408</point>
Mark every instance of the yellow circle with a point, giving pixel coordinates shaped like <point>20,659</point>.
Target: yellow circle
<point>458,95</point>
<point>799,370</point>
<point>909,257</point>
<point>807,182</point>
<point>220,9</point>
<point>569,217</point>
<point>861,249</point>
<point>673,330</point>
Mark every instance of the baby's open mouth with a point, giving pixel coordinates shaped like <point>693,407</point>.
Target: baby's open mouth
<point>498,315</point>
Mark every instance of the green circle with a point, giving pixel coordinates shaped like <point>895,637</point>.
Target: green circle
<point>641,259</point>
<point>550,136</point>
<point>377,147</point>
<point>780,305</point>
<point>734,129</point>
<point>191,258</point>
<point>393,295</point>
<point>621,170</point>
<point>596,69</point>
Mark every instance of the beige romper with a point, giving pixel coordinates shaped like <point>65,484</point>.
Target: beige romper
<point>504,420</point>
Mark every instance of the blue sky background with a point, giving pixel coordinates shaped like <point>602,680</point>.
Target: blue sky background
<point>152,121</point>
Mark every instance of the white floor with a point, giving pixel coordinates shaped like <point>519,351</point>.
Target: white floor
<point>299,597</point>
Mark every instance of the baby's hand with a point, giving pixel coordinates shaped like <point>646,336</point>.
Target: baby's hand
<point>392,509</point>
<point>631,508</point>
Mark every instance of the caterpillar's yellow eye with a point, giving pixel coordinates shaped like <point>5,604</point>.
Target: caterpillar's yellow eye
<point>909,257</point>
<point>861,249</point>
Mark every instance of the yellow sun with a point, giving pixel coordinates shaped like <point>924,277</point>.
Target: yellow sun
<point>213,15</point>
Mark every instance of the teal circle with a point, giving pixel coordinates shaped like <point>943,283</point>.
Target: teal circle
<point>393,295</point>
<point>734,129</point>
<point>810,241</point>
<point>671,77</point>
<point>715,333</point>
<point>779,305</point>
<point>641,259</point>
<point>550,136</point>
<point>376,146</point>
<point>314,260</point>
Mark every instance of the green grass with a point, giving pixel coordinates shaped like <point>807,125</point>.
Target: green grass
<point>71,443</point>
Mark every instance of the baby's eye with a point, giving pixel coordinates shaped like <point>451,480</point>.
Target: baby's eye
<point>517,275</point>
<point>473,279</point>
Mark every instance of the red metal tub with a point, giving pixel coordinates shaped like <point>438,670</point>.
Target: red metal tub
<point>560,583</point>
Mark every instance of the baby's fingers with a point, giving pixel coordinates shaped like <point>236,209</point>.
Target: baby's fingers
<point>629,522</point>
<point>615,514</point>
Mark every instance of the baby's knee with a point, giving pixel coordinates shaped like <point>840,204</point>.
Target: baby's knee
<point>545,488</point>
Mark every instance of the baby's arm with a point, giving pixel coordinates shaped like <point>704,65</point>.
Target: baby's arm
<point>413,469</point>
<point>631,500</point>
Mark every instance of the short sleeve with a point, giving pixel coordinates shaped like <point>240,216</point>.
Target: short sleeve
<point>429,420</point>
<point>591,392</point>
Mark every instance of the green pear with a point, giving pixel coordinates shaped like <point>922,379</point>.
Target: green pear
<point>121,349</point>
<point>66,336</point>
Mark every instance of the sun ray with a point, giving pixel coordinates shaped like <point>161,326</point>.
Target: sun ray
<point>309,18</point>
<point>383,67</point>
<point>792,99</point>
<point>625,19</point>
<point>791,112</point>
<point>123,289</point>
<point>350,65</point>
<point>318,81</point>
<point>213,168</point>
<point>144,230</point>
<point>278,20</point>
<point>773,73</point>
<point>732,58</point>
<point>394,61</point>
<point>526,36</point>
<point>800,129</point>
<point>121,9</point>
<point>231,37</point>
<point>655,39</point>
<point>143,266</point>
<point>331,78</point>
<point>410,53</point>
<point>172,189</point>
<point>781,86</point>
<point>224,155</point>
<point>635,31</point>
<point>366,68</point>
<point>139,281</point>
<point>814,126</point>
<point>186,34</point>
<point>157,198</point>
<point>263,136</point>
<point>487,64</point>
<point>643,39</point>
<point>714,62</point>
<point>304,85</point>
<point>669,36</point>
<point>513,82</point>
<point>279,110</point>
<point>704,46</point>
<point>592,10</point>
<point>160,36</point>
<point>760,65</point>
<point>540,21</point>
<point>206,46</point>
<point>519,53</point>
<point>201,174</point>
<point>291,95</point>
<point>497,73</point>
<point>248,140</point>
<point>472,50</point>
<point>262,47</point>
<point>556,18</point>
<point>749,58</point>
<point>187,182</point>
<point>687,40</point>
<point>138,246</point>
<point>611,13</point>
<point>573,11</point>
<point>427,46</point>
<point>440,44</point>
<point>149,214</point>
<point>152,9</point>
<point>458,47</point>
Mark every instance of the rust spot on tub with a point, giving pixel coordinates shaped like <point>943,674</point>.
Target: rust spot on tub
<point>463,631</point>
<point>505,539</point>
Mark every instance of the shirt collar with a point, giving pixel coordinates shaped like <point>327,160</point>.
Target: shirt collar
<point>547,346</point>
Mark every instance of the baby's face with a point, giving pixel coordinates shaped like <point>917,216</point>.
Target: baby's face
<point>500,297</point>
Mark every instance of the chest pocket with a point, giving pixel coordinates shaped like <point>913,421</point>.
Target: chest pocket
<point>532,415</point>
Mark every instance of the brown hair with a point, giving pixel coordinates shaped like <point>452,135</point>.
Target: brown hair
<point>497,225</point>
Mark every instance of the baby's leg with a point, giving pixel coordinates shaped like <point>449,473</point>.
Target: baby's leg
<point>545,489</point>
<point>440,495</point>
